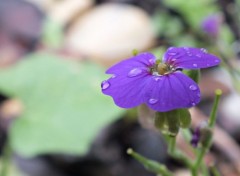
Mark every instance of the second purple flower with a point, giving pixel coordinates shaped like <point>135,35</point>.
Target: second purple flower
<point>161,86</point>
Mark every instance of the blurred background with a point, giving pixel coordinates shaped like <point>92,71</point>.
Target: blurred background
<point>54,120</point>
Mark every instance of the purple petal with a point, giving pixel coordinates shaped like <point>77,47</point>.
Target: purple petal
<point>171,91</point>
<point>127,87</point>
<point>141,60</point>
<point>190,58</point>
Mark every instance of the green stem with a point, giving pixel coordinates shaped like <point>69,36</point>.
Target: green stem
<point>208,142</point>
<point>5,161</point>
<point>176,154</point>
<point>171,144</point>
<point>214,171</point>
<point>213,115</point>
<point>150,165</point>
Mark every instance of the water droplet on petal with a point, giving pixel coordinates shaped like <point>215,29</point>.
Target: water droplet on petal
<point>172,54</point>
<point>216,60</point>
<point>151,61</point>
<point>195,65</point>
<point>105,85</point>
<point>189,54</point>
<point>186,48</point>
<point>204,50</point>
<point>153,101</point>
<point>193,87</point>
<point>113,76</point>
<point>193,104</point>
<point>170,48</point>
<point>198,55</point>
<point>173,60</point>
<point>157,78</point>
<point>134,72</point>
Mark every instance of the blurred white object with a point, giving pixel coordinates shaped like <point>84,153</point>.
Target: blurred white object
<point>66,10</point>
<point>110,32</point>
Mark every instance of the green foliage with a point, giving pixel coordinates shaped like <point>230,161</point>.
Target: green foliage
<point>52,34</point>
<point>64,108</point>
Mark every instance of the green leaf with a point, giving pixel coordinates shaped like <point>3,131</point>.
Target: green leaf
<point>52,34</point>
<point>64,108</point>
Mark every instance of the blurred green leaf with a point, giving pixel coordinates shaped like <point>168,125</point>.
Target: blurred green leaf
<point>52,34</point>
<point>64,106</point>
<point>193,11</point>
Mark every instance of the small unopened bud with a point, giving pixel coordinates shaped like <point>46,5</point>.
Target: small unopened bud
<point>135,52</point>
<point>206,137</point>
<point>194,74</point>
<point>184,118</point>
<point>202,135</point>
<point>169,122</point>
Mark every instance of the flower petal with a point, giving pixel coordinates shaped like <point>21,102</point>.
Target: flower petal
<point>127,88</point>
<point>190,58</point>
<point>171,91</point>
<point>141,60</point>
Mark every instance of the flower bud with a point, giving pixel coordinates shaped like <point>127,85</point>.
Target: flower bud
<point>194,74</point>
<point>184,118</point>
<point>206,137</point>
<point>169,122</point>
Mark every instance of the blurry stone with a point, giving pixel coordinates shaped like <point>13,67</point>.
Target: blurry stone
<point>110,32</point>
<point>11,108</point>
<point>20,29</point>
<point>230,118</point>
<point>72,7</point>
<point>210,81</point>
<point>151,6</point>
<point>43,4</point>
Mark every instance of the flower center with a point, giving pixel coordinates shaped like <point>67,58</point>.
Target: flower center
<point>163,68</point>
<point>160,69</point>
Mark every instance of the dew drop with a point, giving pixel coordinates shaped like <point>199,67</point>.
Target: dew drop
<point>157,78</point>
<point>105,85</point>
<point>174,60</point>
<point>172,54</point>
<point>193,87</point>
<point>189,54</point>
<point>153,101</point>
<point>216,60</point>
<point>134,72</point>
<point>193,104</point>
<point>198,55</point>
<point>151,61</point>
<point>195,65</point>
<point>170,48</point>
<point>204,50</point>
<point>186,48</point>
<point>113,76</point>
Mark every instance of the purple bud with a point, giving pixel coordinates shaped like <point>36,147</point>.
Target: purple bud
<point>211,25</point>
<point>196,137</point>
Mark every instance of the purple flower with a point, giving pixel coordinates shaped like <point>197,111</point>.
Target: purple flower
<point>211,25</point>
<point>161,86</point>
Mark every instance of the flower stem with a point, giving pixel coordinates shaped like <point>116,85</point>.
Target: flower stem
<point>176,154</point>
<point>5,161</point>
<point>211,123</point>
<point>171,144</point>
<point>213,115</point>
<point>150,165</point>
<point>214,171</point>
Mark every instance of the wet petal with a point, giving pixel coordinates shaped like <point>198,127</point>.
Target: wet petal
<point>171,91</point>
<point>141,60</point>
<point>190,58</point>
<point>127,88</point>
